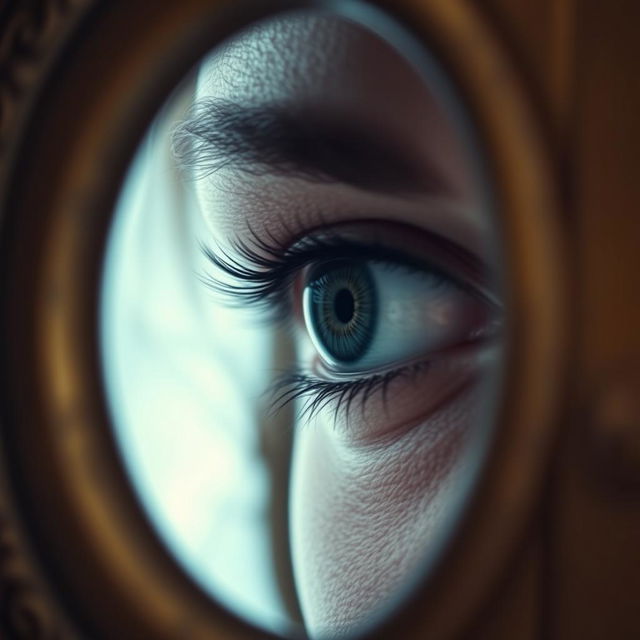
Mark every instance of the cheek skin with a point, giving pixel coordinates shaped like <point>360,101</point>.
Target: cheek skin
<point>363,516</point>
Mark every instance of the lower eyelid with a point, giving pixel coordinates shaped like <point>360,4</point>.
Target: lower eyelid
<point>413,395</point>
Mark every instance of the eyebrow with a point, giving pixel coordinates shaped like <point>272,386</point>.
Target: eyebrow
<point>281,140</point>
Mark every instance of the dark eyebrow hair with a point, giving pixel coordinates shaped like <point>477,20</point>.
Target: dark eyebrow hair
<point>281,140</point>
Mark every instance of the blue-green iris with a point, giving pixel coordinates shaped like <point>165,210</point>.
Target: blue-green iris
<point>343,309</point>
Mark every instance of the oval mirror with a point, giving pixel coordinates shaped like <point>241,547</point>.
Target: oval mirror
<point>301,320</point>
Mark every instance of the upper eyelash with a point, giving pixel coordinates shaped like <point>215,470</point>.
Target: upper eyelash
<point>263,271</point>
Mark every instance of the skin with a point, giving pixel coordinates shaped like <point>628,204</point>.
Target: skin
<point>370,487</point>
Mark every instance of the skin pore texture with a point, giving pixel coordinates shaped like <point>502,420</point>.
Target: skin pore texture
<point>370,483</point>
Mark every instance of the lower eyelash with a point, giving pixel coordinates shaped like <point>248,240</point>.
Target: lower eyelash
<point>317,393</point>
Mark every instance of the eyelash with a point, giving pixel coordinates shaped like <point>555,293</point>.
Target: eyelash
<point>317,393</point>
<point>264,273</point>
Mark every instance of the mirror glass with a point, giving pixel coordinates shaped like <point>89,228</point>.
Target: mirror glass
<point>301,320</point>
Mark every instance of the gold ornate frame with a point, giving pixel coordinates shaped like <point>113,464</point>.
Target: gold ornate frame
<point>79,81</point>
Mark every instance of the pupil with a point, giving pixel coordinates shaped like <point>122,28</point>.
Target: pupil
<point>344,305</point>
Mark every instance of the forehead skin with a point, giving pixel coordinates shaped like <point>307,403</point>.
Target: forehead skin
<point>371,510</point>
<point>324,63</point>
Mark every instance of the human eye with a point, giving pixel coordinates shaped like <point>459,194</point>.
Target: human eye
<point>369,305</point>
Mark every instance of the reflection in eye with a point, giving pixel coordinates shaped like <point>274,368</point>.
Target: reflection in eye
<point>372,312</point>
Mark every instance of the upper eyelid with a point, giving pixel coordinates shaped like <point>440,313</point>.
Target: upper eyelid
<point>262,273</point>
